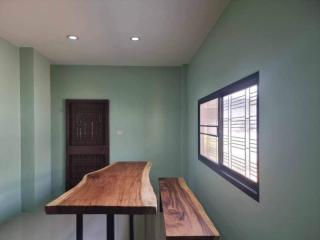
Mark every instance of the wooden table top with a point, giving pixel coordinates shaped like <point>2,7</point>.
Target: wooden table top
<point>184,216</point>
<point>120,188</point>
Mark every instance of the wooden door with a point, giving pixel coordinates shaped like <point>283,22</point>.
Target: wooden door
<point>87,138</point>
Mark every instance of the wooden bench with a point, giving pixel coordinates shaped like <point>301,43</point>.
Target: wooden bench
<point>184,216</point>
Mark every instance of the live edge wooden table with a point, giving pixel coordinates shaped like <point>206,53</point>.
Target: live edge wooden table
<point>120,188</point>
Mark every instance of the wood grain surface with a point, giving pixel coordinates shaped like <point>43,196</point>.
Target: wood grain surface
<point>120,188</point>
<point>184,216</point>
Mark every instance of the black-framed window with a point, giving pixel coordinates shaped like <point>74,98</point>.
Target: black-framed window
<point>228,133</point>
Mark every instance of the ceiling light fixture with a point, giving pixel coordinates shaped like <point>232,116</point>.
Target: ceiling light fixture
<point>135,38</point>
<point>72,37</point>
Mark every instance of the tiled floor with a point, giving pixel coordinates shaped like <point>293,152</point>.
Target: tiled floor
<point>38,226</point>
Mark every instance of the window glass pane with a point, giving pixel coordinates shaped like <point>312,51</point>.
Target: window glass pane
<point>209,130</point>
<point>240,132</point>
<point>209,147</point>
<point>209,113</point>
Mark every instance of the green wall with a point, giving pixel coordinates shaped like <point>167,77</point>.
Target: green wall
<point>35,129</point>
<point>27,128</point>
<point>145,104</point>
<point>10,187</point>
<point>281,40</point>
<point>42,118</point>
<point>25,139</point>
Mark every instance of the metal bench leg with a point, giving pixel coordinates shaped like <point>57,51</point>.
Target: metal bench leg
<point>131,227</point>
<point>110,227</point>
<point>79,227</point>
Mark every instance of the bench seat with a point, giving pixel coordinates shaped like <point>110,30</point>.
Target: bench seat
<point>184,216</point>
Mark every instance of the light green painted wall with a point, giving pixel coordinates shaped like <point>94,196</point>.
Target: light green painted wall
<point>27,128</point>
<point>10,187</point>
<point>145,104</point>
<point>42,118</point>
<point>36,128</point>
<point>183,124</point>
<point>281,40</point>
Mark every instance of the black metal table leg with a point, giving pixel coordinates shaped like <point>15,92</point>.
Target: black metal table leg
<point>110,227</point>
<point>131,228</point>
<point>79,227</point>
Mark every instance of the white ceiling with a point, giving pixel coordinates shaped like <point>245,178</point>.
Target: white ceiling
<point>171,31</point>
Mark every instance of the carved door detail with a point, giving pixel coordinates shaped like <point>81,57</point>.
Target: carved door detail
<point>87,129</point>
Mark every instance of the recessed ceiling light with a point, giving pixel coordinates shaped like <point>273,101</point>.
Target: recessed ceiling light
<point>72,37</point>
<point>135,38</point>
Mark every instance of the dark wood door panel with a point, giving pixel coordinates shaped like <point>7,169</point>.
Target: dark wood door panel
<point>99,149</point>
<point>83,164</point>
<point>87,124</point>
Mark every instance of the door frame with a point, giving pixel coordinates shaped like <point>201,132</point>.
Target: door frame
<point>68,103</point>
